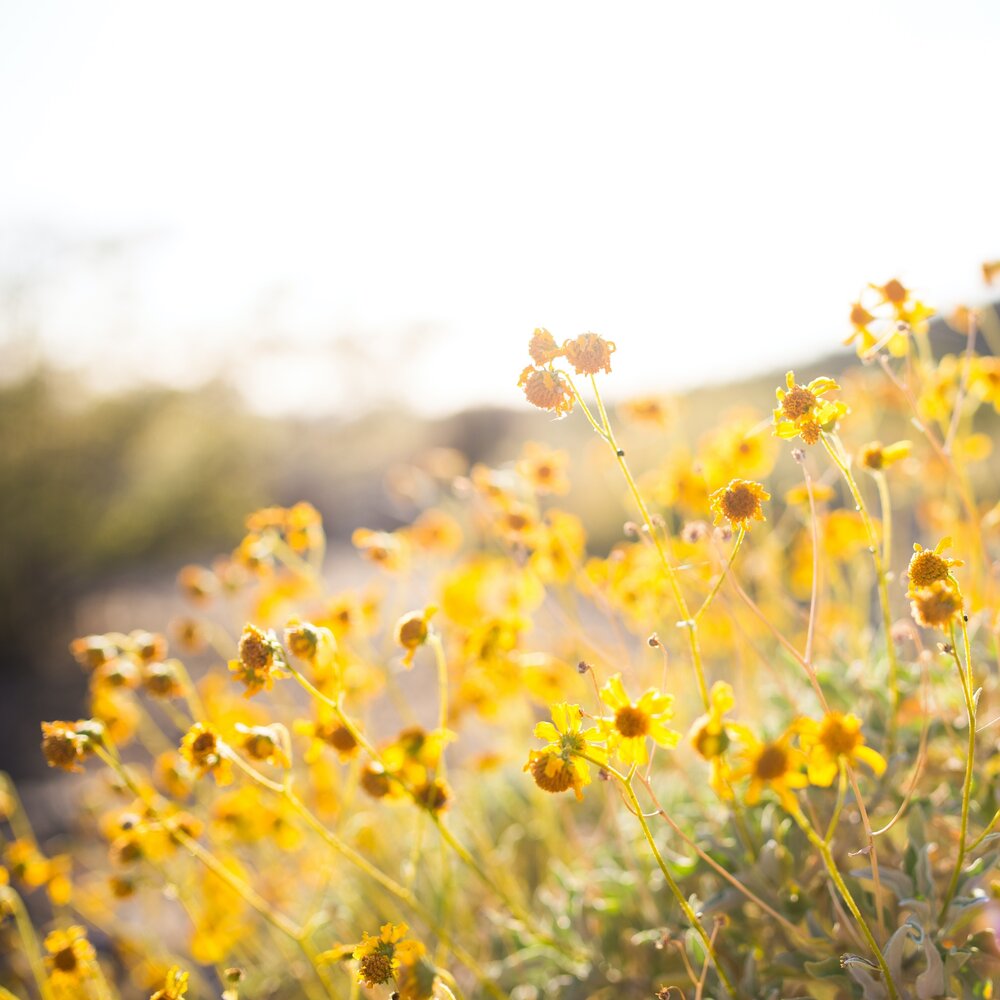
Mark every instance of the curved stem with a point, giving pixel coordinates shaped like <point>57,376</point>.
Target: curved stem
<point>675,889</point>
<point>845,893</point>
<point>718,583</point>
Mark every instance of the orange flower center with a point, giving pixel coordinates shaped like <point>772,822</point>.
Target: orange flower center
<point>926,567</point>
<point>559,780</point>
<point>376,968</point>
<point>740,503</point>
<point>838,738</point>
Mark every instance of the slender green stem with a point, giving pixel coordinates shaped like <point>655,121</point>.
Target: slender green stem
<point>845,893</point>
<point>27,934</point>
<point>835,450</point>
<point>605,431</point>
<point>675,889</point>
<point>970,709</point>
<point>718,583</point>
<point>986,832</point>
<point>841,794</point>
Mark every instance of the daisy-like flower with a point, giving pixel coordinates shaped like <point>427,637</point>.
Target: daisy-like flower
<point>928,566</point>
<point>776,765</point>
<point>876,456</point>
<point>62,745</point>
<point>263,743</point>
<point>712,734</point>
<point>70,957</point>
<point>558,767</point>
<point>632,722</point>
<point>326,731</point>
<point>203,749</point>
<point>836,738</point>
<point>738,503</point>
<point>261,660</point>
<point>802,413</point>
<point>381,958</point>
<point>547,390</point>
<point>544,469</point>
<point>589,353</point>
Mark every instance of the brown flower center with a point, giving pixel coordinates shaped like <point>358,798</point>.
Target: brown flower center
<point>631,722</point>
<point>376,968</point>
<point>558,781</point>
<point>772,763</point>
<point>926,567</point>
<point>65,959</point>
<point>798,402</point>
<point>740,503</point>
<point>838,739</point>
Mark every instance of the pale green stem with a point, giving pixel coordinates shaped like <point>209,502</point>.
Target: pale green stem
<point>970,709</point>
<point>834,449</point>
<point>690,625</point>
<point>28,939</point>
<point>845,893</point>
<point>675,889</point>
<point>718,583</point>
<point>841,793</point>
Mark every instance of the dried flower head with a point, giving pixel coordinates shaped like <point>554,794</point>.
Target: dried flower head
<point>589,354</point>
<point>937,605</point>
<point>260,661</point>
<point>543,347</point>
<point>204,750</point>
<point>547,390</point>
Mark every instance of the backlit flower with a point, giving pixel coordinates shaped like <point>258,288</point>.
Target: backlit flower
<point>589,354</point>
<point>801,412</point>
<point>70,957</point>
<point>547,390</point>
<point>738,503</point>
<point>632,722</point>
<point>776,765</point>
<point>380,958</point>
<point>928,566</point>
<point>834,740</point>
<point>558,766</point>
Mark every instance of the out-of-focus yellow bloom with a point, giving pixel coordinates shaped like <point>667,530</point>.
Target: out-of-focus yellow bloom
<point>937,605</point>
<point>875,456</point>
<point>204,750</point>
<point>712,734</point>
<point>326,731</point>
<point>544,468</point>
<point>390,550</point>
<point>70,958</point>
<point>435,533</point>
<point>738,503</point>
<point>634,721</point>
<point>655,410</point>
<point>557,767</point>
<point>776,765</point>
<point>412,631</point>
<point>557,547</point>
<point>835,739</point>
<point>174,987</point>
<point>799,495</point>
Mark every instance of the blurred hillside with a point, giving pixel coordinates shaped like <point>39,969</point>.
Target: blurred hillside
<point>113,495</point>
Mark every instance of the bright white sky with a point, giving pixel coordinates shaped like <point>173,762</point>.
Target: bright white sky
<point>388,197</point>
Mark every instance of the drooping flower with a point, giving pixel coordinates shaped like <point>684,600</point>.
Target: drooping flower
<point>261,660</point>
<point>589,353</point>
<point>834,739</point>
<point>937,605</point>
<point>203,749</point>
<point>548,390</point>
<point>875,456</point>
<point>632,722</point>
<point>558,766</point>
<point>543,347</point>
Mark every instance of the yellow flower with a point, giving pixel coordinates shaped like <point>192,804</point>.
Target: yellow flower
<point>558,767</point>
<point>802,413</point>
<point>381,958</point>
<point>261,660</point>
<point>70,957</point>
<point>203,749</point>
<point>738,503</point>
<point>835,739</point>
<point>875,456</point>
<point>634,721</point>
<point>544,468</point>
<point>327,730</point>
<point>711,736</point>
<point>928,566</point>
<point>62,745</point>
<point>263,743</point>
<point>776,765</point>
<point>174,987</point>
